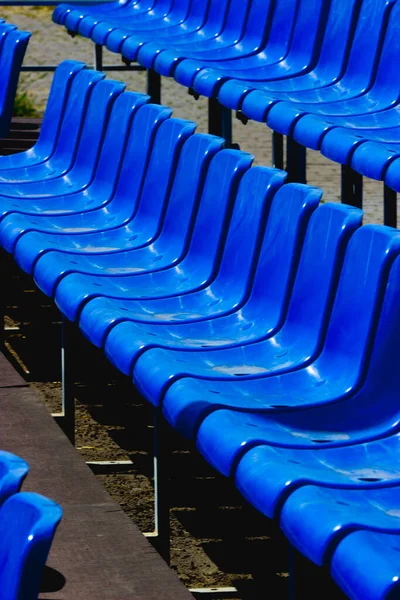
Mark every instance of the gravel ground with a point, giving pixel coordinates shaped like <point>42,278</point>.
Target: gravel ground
<point>51,44</point>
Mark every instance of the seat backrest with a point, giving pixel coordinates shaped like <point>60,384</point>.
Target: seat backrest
<point>188,184</point>
<point>388,75</point>
<point>369,35</point>
<point>11,57</point>
<point>309,31</point>
<point>160,173</point>
<point>358,301</point>
<point>95,124</point>
<point>115,140</point>
<point>13,471</point>
<point>137,156</point>
<point>57,101</point>
<point>338,37</point>
<point>325,243</point>
<point>280,252</point>
<point>215,209</point>
<point>75,112</point>
<point>27,525</point>
<point>250,215</point>
<point>277,24</point>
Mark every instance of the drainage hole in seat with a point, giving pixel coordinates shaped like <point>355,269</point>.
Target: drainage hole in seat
<point>342,503</point>
<point>214,392</point>
<point>97,284</point>
<point>369,479</point>
<point>73,262</point>
<point>248,326</point>
<point>321,441</point>
<point>279,405</point>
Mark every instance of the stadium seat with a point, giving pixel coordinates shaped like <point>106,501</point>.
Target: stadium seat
<point>27,525</point>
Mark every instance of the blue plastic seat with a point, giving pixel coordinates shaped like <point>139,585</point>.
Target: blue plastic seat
<point>313,31</point>
<point>206,264</point>
<point>212,26</point>
<point>197,268</point>
<point>13,471</point>
<point>349,565</point>
<point>84,157</point>
<point>226,293</point>
<point>63,156</point>
<point>315,518</point>
<point>298,340</point>
<point>339,373</point>
<point>179,18</point>
<point>73,18</point>
<point>61,10</point>
<point>369,412</point>
<point>44,147</point>
<point>267,475</point>
<point>13,49</point>
<point>245,31</point>
<point>85,229</point>
<point>24,214</point>
<point>165,14</point>
<point>27,525</point>
<point>169,245</point>
<point>322,95</point>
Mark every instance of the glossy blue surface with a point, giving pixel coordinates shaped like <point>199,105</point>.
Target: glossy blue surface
<point>334,374</point>
<point>280,341</point>
<point>12,167</point>
<point>322,72</point>
<point>13,471</point>
<point>265,326</point>
<point>27,525</point>
<point>13,44</point>
<point>368,548</point>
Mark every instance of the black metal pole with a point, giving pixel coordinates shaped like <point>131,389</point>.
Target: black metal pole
<point>161,486</point>
<point>295,161</point>
<point>352,187</point>
<point>277,150</point>
<point>220,121</point>
<point>67,419</point>
<point>389,207</point>
<point>154,86</point>
<point>98,57</point>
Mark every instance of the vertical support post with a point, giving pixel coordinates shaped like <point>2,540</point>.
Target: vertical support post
<point>226,125</point>
<point>220,121</point>
<point>389,207</point>
<point>295,161</point>
<point>161,485</point>
<point>3,295</point>
<point>154,86</point>
<point>67,421</point>
<point>352,187</point>
<point>98,57</point>
<point>277,150</point>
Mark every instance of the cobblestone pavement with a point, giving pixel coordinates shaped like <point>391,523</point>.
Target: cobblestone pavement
<point>50,44</point>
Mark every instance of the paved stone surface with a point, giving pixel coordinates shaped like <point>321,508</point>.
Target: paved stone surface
<point>51,44</point>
